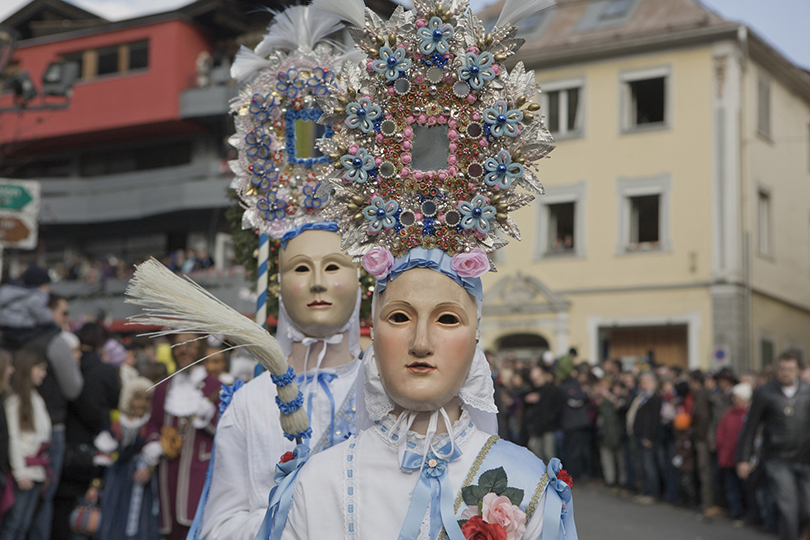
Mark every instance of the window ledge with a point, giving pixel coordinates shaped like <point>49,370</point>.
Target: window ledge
<point>562,254</point>
<point>645,248</point>
<point>646,128</point>
<point>767,137</point>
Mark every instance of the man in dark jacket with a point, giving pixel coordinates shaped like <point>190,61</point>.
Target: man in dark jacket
<point>576,425</point>
<point>782,408</point>
<point>644,424</point>
<point>541,413</point>
<point>701,439</point>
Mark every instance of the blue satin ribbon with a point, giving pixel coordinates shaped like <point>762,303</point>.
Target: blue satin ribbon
<point>225,398</point>
<point>329,226</point>
<point>434,259</point>
<point>558,514</point>
<point>433,489</point>
<point>323,379</point>
<point>281,495</point>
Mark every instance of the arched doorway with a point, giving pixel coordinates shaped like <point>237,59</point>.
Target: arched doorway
<point>522,346</point>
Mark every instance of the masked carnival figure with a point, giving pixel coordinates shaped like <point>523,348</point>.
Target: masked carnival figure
<point>278,177</point>
<point>434,137</point>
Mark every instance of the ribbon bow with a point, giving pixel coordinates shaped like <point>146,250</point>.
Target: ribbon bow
<point>558,515</point>
<point>434,490</point>
<point>281,495</point>
<point>226,395</point>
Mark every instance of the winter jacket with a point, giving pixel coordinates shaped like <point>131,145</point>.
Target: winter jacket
<point>575,409</point>
<point>727,435</point>
<point>28,443</point>
<point>786,437</point>
<point>23,307</point>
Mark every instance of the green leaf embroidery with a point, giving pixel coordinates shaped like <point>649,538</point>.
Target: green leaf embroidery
<point>514,495</point>
<point>493,481</point>
<point>461,522</point>
<point>472,495</point>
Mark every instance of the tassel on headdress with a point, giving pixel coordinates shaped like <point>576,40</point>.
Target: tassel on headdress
<point>353,11</point>
<point>183,307</point>
<point>298,27</point>
<point>514,11</point>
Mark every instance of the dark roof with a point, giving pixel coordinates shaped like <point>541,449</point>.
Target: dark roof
<point>47,17</point>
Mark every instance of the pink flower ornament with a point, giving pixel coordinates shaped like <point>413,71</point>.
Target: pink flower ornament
<point>499,510</point>
<point>378,262</point>
<point>473,264</point>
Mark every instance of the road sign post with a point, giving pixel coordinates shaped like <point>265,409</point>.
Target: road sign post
<point>19,213</point>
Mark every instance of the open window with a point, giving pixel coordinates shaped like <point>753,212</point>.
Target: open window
<point>645,100</point>
<point>562,104</point>
<point>644,214</point>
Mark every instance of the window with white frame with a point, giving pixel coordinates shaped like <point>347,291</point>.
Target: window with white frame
<point>561,221</point>
<point>643,214</point>
<point>764,222</point>
<point>562,104</point>
<point>645,99</point>
<point>764,105</point>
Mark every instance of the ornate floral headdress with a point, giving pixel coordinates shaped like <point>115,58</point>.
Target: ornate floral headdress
<point>281,79</point>
<point>432,135</point>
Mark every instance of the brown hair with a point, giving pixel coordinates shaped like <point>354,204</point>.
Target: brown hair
<point>792,355</point>
<point>22,386</point>
<point>5,361</point>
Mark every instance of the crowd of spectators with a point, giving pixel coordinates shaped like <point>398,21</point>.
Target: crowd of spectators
<point>722,443</point>
<point>97,270</point>
<point>78,453</point>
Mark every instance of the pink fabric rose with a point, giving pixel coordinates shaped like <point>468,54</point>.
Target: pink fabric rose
<point>472,264</point>
<point>378,262</point>
<point>500,511</point>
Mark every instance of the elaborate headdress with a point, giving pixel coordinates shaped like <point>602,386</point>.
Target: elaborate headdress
<point>432,136</point>
<point>276,178</point>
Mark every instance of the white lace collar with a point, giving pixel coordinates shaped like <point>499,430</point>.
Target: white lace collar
<point>185,395</point>
<point>463,429</point>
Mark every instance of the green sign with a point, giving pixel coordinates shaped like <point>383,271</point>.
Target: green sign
<point>14,197</point>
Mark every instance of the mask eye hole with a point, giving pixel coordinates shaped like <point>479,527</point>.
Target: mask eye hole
<point>448,319</point>
<point>398,317</point>
<point>301,269</point>
<point>332,267</point>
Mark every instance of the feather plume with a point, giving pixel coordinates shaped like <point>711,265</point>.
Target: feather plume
<point>246,63</point>
<point>298,28</point>
<point>183,307</point>
<point>353,11</point>
<point>514,11</point>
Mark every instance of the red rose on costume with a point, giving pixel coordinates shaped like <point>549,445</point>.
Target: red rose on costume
<point>287,456</point>
<point>565,477</point>
<point>478,529</point>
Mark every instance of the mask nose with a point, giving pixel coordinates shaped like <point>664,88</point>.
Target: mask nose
<point>421,346</point>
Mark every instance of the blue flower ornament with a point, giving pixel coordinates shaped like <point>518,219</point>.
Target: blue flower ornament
<point>311,200</point>
<point>391,63</point>
<point>322,81</point>
<point>476,214</point>
<point>258,143</point>
<point>357,166</point>
<point>380,214</point>
<point>264,175</point>
<point>434,466</point>
<point>262,106</point>
<point>272,209</point>
<point>501,171</point>
<point>477,69</point>
<point>362,114</point>
<point>435,36</point>
<point>502,120</point>
<point>289,83</point>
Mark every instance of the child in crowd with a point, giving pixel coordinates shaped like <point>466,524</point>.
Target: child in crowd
<point>217,362</point>
<point>129,502</point>
<point>29,429</point>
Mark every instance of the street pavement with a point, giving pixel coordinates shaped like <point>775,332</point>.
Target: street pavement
<point>601,515</point>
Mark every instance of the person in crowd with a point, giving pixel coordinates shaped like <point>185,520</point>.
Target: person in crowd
<point>87,416</point>
<point>576,425</point>
<point>128,371</point>
<point>24,309</point>
<point>180,433</point>
<point>29,429</point>
<point>544,418</point>
<point>782,408</point>
<point>644,425</point>
<point>701,428</point>
<point>6,480</point>
<point>728,433</point>
<point>130,494</point>
<point>610,433</point>
<point>63,383</point>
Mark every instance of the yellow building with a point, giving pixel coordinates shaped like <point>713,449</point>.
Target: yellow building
<point>677,210</point>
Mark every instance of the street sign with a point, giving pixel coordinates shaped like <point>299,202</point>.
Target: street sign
<point>19,213</point>
<point>14,197</point>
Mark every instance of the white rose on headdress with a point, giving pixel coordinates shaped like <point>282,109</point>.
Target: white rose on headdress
<point>378,262</point>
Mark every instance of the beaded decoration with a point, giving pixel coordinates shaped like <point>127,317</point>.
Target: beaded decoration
<point>278,188</point>
<point>432,135</point>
